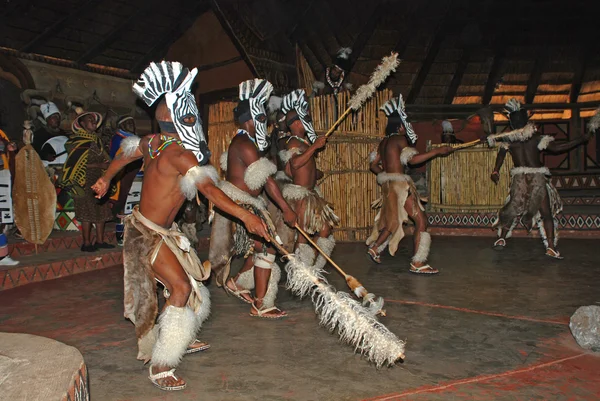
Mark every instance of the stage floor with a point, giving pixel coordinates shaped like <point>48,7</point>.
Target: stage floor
<point>491,326</point>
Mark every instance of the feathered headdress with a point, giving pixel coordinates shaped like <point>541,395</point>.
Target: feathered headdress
<point>395,111</point>
<point>342,58</point>
<point>595,121</point>
<point>516,114</point>
<point>296,100</point>
<point>447,127</point>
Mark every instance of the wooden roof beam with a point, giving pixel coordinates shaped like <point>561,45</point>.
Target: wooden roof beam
<point>534,80</point>
<point>458,76</point>
<point>494,75</point>
<point>216,8</point>
<point>115,33</point>
<point>364,36</point>
<point>432,53</point>
<point>59,24</point>
<point>163,45</point>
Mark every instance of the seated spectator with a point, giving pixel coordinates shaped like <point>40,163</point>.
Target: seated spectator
<point>86,162</point>
<point>48,131</point>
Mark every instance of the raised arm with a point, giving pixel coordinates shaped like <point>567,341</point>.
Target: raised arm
<point>204,179</point>
<point>547,143</point>
<point>499,161</point>
<point>299,160</point>
<point>130,152</point>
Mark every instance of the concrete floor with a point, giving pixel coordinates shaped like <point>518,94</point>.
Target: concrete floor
<point>492,326</point>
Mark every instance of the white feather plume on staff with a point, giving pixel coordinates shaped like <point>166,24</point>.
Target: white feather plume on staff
<point>366,91</point>
<point>518,135</point>
<point>594,123</point>
<point>355,324</point>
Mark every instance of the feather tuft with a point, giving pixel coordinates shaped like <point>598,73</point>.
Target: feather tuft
<point>595,121</point>
<point>383,70</point>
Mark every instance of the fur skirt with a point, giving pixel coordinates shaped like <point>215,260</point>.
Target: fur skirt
<point>395,190</point>
<point>142,241</point>
<point>314,212</point>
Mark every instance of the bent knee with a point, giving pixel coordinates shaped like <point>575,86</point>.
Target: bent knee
<point>180,290</point>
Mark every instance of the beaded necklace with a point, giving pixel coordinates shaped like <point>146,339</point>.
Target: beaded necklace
<point>335,85</point>
<point>166,141</point>
<point>244,132</point>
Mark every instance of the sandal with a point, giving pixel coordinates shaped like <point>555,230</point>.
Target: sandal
<point>163,375</point>
<point>375,257</point>
<point>236,292</point>
<point>192,350</point>
<point>425,269</point>
<point>262,312</point>
<point>554,254</point>
<point>499,244</point>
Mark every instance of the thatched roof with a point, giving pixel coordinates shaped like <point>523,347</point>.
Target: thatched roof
<point>453,51</point>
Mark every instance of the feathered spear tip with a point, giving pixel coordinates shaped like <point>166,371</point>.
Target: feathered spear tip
<point>518,135</point>
<point>355,324</point>
<point>595,121</point>
<point>383,70</point>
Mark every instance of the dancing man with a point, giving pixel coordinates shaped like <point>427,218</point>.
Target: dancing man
<point>155,249</point>
<point>247,174</point>
<point>315,216</point>
<point>399,198</point>
<point>532,199</point>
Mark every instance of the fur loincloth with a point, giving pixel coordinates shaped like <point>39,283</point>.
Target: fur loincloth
<point>317,211</point>
<point>143,240</point>
<point>529,187</point>
<point>229,237</point>
<point>395,189</point>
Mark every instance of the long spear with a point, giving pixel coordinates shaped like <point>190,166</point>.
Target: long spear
<point>355,324</point>
<point>366,91</point>
<point>357,288</point>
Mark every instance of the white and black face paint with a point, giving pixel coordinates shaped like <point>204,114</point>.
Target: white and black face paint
<point>257,92</point>
<point>188,124</point>
<point>173,80</point>
<point>397,105</point>
<point>297,100</point>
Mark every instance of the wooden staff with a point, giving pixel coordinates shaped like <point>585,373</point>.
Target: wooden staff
<point>468,144</point>
<point>364,92</point>
<point>357,288</point>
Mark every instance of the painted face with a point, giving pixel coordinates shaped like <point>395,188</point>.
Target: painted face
<point>188,124</point>
<point>174,81</point>
<point>257,92</point>
<point>296,100</point>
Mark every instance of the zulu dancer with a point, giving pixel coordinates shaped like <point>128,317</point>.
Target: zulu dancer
<point>155,249</point>
<point>315,216</point>
<point>247,174</point>
<point>532,199</point>
<point>399,198</point>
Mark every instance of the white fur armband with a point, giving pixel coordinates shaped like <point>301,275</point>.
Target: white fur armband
<point>129,145</point>
<point>223,162</point>
<point>195,175</point>
<point>372,156</point>
<point>545,141</point>
<point>504,145</point>
<point>286,155</point>
<point>407,154</point>
<point>257,173</point>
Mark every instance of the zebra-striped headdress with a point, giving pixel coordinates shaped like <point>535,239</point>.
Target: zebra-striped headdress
<point>256,92</point>
<point>171,79</point>
<point>395,111</point>
<point>296,100</point>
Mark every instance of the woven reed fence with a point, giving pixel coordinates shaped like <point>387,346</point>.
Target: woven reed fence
<point>461,182</point>
<point>347,183</point>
